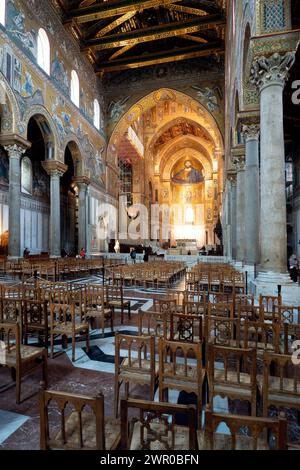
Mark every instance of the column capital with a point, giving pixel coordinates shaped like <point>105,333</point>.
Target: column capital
<point>271,70</point>
<point>15,151</point>
<point>54,167</point>
<point>251,132</point>
<point>238,157</point>
<point>83,181</point>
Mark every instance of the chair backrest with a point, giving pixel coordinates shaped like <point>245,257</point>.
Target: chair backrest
<point>220,297</point>
<point>289,334</point>
<point>80,430</point>
<point>195,307</point>
<point>248,312</point>
<point>178,355</point>
<point>259,430</point>
<point>165,306</point>
<point>281,375</point>
<point>236,361</point>
<point>287,314</point>
<point>261,335</point>
<point>223,331</point>
<point>157,425</point>
<point>136,349</point>
<point>62,313</point>
<point>10,338</point>
<point>34,313</point>
<point>269,303</point>
<point>10,310</point>
<point>152,323</point>
<point>185,327</point>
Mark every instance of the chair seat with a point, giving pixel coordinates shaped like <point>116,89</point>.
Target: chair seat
<point>66,328</point>
<point>182,379</point>
<point>224,442</point>
<point>231,377</point>
<point>181,437</point>
<point>112,432</point>
<point>99,313</point>
<point>135,373</point>
<point>27,353</point>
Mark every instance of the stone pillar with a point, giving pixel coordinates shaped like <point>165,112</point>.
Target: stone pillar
<point>270,74</point>
<point>83,220</point>
<point>55,170</point>
<point>239,162</point>
<point>233,217</point>
<point>252,199</point>
<point>15,153</point>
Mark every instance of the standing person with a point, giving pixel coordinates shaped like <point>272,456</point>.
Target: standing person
<point>26,253</point>
<point>82,253</point>
<point>146,255</point>
<point>294,266</point>
<point>133,255</point>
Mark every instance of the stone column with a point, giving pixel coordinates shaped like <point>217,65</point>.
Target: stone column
<point>82,184</point>
<point>15,153</point>
<point>55,170</point>
<point>239,162</point>
<point>270,75</point>
<point>252,199</point>
<point>232,178</point>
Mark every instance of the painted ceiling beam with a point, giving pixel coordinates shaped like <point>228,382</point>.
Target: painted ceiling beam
<point>191,52</point>
<point>154,33</point>
<point>111,9</point>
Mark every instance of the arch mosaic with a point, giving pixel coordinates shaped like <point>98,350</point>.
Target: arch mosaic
<point>11,115</point>
<point>146,103</point>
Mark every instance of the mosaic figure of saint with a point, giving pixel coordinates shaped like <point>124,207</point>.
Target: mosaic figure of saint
<point>188,175</point>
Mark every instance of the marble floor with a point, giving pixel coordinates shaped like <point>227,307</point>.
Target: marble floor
<point>91,373</point>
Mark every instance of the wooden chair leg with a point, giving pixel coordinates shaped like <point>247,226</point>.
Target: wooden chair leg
<point>45,370</point>
<point>116,404</point>
<point>122,315</point>
<point>73,348</point>
<point>87,340</point>
<point>18,387</point>
<point>129,311</point>
<point>52,344</point>
<point>127,390</point>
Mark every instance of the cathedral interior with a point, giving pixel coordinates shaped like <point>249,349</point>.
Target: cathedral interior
<point>149,225</point>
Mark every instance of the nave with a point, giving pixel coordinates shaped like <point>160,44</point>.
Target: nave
<point>199,342</point>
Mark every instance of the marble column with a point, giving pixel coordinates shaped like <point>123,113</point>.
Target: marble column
<point>82,183</point>
<point>270,75</point>
<point>252,200</point>
<point>15,153</point>
<point>240,208</point>
<point>55,170</point>
<point>232,178</point>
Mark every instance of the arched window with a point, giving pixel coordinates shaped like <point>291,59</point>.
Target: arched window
<point>43,51</point>
<point>96,114</point>
<point>75,92</point>
<point>2,12</point>
<point>26,176</point>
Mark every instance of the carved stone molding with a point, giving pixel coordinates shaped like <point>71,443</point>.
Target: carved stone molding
<point>251,131</point>
<point>231,176</point>
<point>14,144</point>
<point>267,70</point>
<point>54,167</point>
<point>83,181</point>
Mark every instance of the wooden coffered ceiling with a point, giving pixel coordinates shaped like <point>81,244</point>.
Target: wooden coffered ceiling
<point>122,34</point>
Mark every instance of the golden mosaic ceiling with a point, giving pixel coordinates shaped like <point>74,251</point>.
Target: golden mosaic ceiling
<point>122,34</point>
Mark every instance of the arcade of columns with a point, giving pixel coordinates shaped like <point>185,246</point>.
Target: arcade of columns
<point>16,146</point>
<point>256,181</point>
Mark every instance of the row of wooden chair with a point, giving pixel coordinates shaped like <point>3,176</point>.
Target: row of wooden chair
<point>148,425</point>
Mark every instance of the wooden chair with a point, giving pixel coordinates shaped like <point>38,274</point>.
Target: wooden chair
<point>95,309</point>
<point>281,382</point>
<point>178,372</point>
<point>35,320</point>
<point>248,312</point>
<point>222,331</point>
<point>10,310</point>
<point>21,359</point>
<point>137,367</point>
<point>116,300</point>
<point>156,426</point>
<point>268,305</point>
<point>164,306</point>
<point>65,322</point>
<point>246,433</point>
<point>236,379</point>
<point>286,314</point>
<point>289,334</point>
<point>196,307</point>
<point>221,310</point>
<point>84,427</point>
